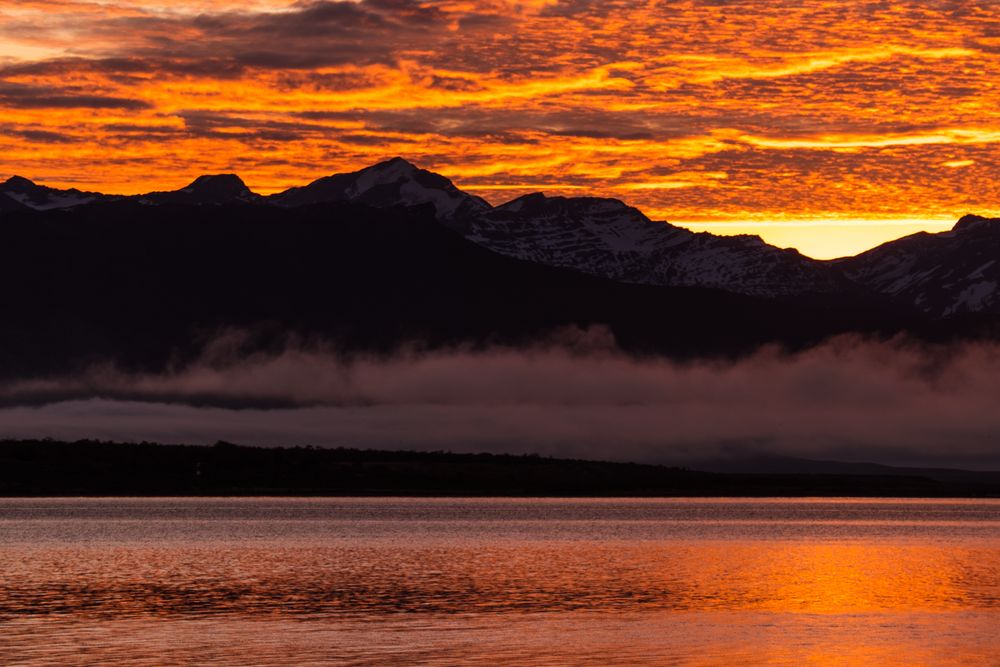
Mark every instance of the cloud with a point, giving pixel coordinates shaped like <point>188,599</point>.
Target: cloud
<point>893,402</point>
<point>806,113</point>
<point>37,97</point>
<point>40,136</point>
<point>305,36</point>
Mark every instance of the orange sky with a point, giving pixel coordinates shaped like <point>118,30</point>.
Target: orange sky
<point>828,125</point>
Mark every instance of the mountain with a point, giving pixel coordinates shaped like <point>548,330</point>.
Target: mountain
<point>43,198</point>
<point>7,204</point>
<point>394,182</point>
<point>779,465</point>
<point>100,468</point>
<point>206,190</point>
<point>607,238</point>
<point>146,287</point>
<point>945,274</point>
<point>934,275</point>
<point>601,237</point>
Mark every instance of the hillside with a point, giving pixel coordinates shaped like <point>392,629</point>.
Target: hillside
<point>91,468</point>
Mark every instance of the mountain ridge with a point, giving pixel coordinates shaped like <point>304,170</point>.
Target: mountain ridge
<point>389,183</point>
<point>103,468</point>
<point>943,274</point>
<point>148,287</point>
<point>940,275</point>
<point>42,198</point>
<point>207,189</point>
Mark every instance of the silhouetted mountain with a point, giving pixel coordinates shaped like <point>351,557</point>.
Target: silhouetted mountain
<point>606,238</point>
<point>602,237</point>
<point>147,285</point>
<point>206,190</point>
<point>48,468</point>
<point>948,275</point>
<point>394,182</point>
<point>793,466</point>
<point>43,198</point>
<point>9,204</point>
<point>944,274</point>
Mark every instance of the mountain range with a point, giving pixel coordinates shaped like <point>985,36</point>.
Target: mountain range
<point>394,256</point>
<point>937,275</point>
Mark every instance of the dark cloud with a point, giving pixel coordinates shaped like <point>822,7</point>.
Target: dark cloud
<point>210,120</point>
<point>477,122</point>
<point>308,35</point>
<point>41,136</point>
<point>21,96</point>
<point>210,124</point>
<point>313,34</point>
<point>849,399</point>
<point>473,121</point>
<point>374,140</point>
<point>126,69</point>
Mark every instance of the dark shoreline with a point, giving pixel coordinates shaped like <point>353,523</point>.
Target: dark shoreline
<point>46,468</point>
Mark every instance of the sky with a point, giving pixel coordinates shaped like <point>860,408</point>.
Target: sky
<point>829,126</point>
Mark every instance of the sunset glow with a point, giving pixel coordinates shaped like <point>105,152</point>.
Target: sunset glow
<point>822,125</point>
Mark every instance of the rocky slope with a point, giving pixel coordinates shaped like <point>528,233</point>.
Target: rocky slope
<point>944,274</point>
<point>940,275</point>
<point>42,198</point>
<point>605,237</point>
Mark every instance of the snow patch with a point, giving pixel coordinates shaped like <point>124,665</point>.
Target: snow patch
<point>973,297</point>
<point>390,172</point>
<point>51,201</point>
<point>444,203</point>
<point>978,273</point>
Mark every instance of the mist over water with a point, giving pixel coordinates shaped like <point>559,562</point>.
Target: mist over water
<point>851,399</point>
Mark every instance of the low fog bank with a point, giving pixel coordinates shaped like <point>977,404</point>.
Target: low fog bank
<point>850,399</point>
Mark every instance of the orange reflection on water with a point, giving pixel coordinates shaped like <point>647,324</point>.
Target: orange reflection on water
<point>500,581</point>
<point>837,578</point>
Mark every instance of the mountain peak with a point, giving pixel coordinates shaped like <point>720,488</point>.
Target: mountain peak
<point>393,182</point>
<point>538,202</point>
<point>608,238</point>
<point>207,189</point>
<point>18,183</point>
<point>971,221</point>
<point>397,163</point>
<point>391,171</point>
<point>221,184</point>
<point>43,198</point>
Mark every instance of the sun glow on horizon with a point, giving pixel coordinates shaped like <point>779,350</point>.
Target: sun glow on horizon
<point>824,239</point>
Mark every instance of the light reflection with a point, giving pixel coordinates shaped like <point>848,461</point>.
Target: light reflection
<point>514,581</point>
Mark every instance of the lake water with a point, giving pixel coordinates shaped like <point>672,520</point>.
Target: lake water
<point>499,582</point>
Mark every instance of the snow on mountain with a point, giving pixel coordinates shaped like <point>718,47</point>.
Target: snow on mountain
<point>206,190</point>
<point>8,203</point>
<point>394,182</point>
<point>942,274</point>
<point>605,237</point>
<point>43,198</point>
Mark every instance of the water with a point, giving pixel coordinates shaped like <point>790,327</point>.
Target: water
<point>499,582</point>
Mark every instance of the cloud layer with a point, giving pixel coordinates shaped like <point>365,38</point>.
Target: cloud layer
<point>849,399</point>
<point>799,110</point>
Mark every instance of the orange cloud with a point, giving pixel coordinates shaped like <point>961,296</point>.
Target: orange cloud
<point>804,116</point>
